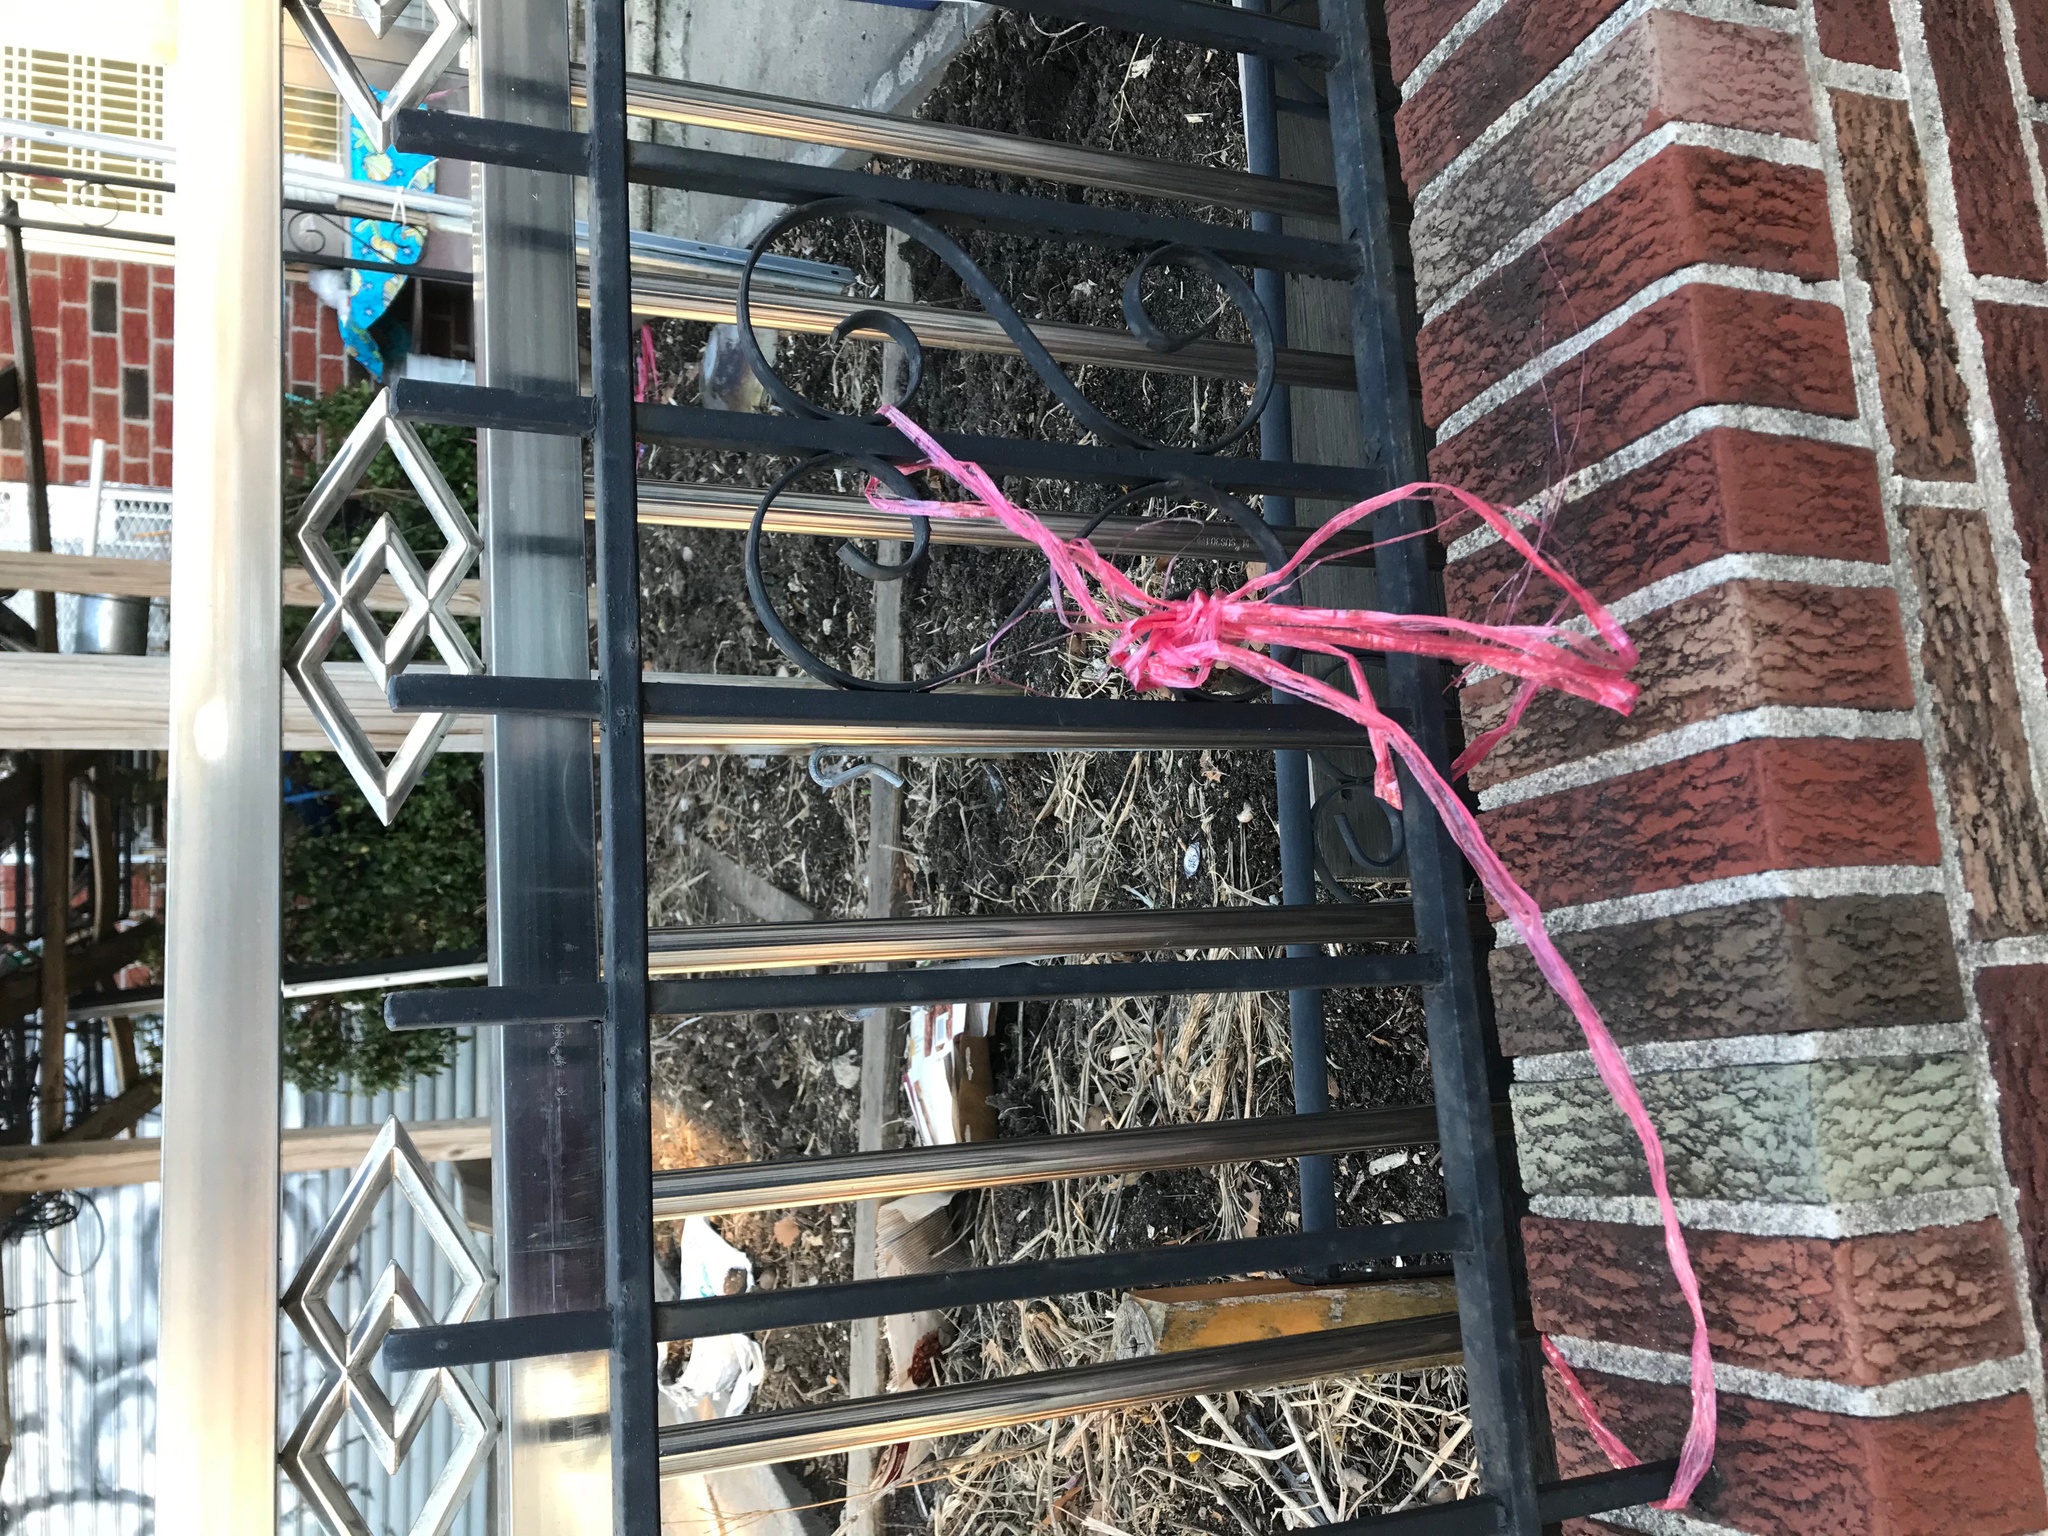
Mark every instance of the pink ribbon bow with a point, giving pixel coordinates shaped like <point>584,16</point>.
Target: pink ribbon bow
<point>1178,642</point>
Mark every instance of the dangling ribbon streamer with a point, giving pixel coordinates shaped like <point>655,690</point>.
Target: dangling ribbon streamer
<point>1177,642</point>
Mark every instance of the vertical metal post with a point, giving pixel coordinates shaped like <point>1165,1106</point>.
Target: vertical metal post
<point>1308,1046</point>
<point>547,1160</point>
<point>217,1352</point>
<point>629,1173</point>
<point>1453,1006</point>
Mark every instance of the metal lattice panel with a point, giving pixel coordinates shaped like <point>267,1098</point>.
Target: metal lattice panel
<point>344,609</point>
<point>376,113</point>
<point>392,1165</point>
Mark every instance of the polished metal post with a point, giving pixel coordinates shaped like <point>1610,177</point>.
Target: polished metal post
<point>540,860</point>
<point>216,1395</point>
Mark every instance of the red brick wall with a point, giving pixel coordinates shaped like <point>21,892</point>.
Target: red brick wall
<point>83,373</point>
<point>1752,306</point>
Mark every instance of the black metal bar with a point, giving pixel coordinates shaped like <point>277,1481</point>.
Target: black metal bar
<point>468,405</point>
<point>789,181</point>
<point>410,1349</point>
<point>1575,1498</point>
<point>1308,1050</point>
<point>462,1007</point>
<point>1459,1048</point>
<point>60,227</point>
<point>29,169</point>
<point>396,269</point>
<point>629,1235</point>
<point>1010,935</point>
<point>822,715</point>
<point>1597,1493</point>
<point>809,1306</point>
<point>1013,983</point>
<point>797,1433</point>
<point>498,1338</point>
<point>734,1187</point>
<point>488,409</point>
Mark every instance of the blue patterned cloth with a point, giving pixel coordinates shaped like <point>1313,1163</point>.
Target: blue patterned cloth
<point>371,293</point>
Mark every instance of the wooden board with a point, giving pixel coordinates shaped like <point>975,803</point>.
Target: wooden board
<point>104,1164</point>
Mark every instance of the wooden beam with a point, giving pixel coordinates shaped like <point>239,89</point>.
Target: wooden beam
<point>104,1164</point>
<point>22,571</point>
<point>83,703</point>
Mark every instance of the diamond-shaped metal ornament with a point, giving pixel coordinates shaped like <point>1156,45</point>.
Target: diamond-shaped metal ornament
<point>393,1164</point>
<point>344,603</point>
<point>451,32</point>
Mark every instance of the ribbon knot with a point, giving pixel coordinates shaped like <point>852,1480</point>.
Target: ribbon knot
<point>1174,645</point>
<point>1177,643</point>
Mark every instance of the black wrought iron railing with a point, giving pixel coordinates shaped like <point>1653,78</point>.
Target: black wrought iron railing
<point>699,972</point>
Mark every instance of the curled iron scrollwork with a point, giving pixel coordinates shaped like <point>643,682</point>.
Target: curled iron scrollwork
<point>1089,416</point>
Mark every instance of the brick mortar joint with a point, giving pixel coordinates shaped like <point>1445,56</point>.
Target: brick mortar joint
<point>1772,1218</point>
<point>1896,1040</point>
<point>1915,1394</point>
<point>1730,890</point>
<point>1770,722</point>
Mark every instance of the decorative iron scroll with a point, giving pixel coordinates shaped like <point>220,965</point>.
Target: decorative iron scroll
<point>351,1390</point>
<point>1090,417</point>
<point>344,602</point>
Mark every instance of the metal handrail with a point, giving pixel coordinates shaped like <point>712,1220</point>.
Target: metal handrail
<point>695,1450</point>
<point>1019,935</point>
<point>732,1188</point>
<point>980,149</point>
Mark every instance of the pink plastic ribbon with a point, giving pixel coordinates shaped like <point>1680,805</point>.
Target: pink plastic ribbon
<point>1177,642</point>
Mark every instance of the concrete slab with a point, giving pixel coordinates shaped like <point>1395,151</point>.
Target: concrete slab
<point>848,52</point>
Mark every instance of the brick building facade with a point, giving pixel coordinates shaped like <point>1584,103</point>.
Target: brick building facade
<point>1751,299</point>
<point>103,333</point>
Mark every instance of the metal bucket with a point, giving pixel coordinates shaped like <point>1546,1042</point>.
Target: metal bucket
<point>111,626</point>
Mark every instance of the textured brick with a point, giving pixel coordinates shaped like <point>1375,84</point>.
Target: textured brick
<point>1702,345</point>
<point>1857,32</point>
<point>1780,966</point>
<point>1738,810</point>
<point>1723,492</point>
<point>1416,26</point>
<point>1994,194</point>
<point>1687,205</point>
<point>1499,64</point>
<point>162,311</point>
<point>2014,1001</point>
<point>1970,1470</point>
<point>1668,67</point>
<point>1736,646</point>
<point>1925,405</point>
<point>1821,1132</point>
<point>2030,28</point>
<point>2001,842</point>
<point>72,336</point>
<point>1864,1311</point>
<point>2016,361</point>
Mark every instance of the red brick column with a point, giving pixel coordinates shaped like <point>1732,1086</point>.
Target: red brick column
<point>1746,304</point>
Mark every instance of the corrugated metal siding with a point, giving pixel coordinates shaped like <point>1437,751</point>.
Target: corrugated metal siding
<point>82,1325</point>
